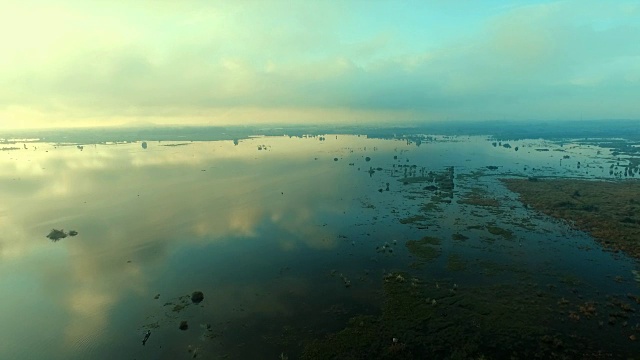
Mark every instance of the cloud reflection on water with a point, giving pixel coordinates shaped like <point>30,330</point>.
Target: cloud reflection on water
<point>138,206</point>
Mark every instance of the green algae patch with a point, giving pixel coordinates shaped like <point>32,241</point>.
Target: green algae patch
<point>609,211</point>
<point>427,248</point>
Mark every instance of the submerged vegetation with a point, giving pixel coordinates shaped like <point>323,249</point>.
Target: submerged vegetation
<point>439,320</point>
<point>499,231</point>
<point>427,248</point>
<point>479,197</point>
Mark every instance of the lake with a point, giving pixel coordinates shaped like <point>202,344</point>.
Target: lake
<point>303,246</point>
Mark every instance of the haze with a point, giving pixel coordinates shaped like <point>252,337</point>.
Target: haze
<point>107,63</point>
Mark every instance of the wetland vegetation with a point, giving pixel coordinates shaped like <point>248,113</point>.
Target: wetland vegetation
<point>608,210</point>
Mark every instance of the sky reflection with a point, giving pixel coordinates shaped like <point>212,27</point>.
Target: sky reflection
<point>134,208</point>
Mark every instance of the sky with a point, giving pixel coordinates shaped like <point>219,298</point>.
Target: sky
<point>76,63</point>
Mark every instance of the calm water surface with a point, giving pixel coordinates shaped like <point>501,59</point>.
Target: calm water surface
<point>270,230</point>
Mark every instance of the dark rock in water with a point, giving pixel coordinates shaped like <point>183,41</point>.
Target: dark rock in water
<point>144,144</point>
<point>56,235</point>
<point>197,297</point>
<point>183,325</point>
<point>73,233</point>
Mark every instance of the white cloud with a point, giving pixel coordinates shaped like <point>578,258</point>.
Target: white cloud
<point>116,62</point>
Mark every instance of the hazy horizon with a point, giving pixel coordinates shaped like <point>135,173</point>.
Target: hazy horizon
<point>142,63</point>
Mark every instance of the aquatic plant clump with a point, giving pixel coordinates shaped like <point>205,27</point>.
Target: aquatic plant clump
<point>56,235</point>
<point>498,231</point>
<point>197,297</point>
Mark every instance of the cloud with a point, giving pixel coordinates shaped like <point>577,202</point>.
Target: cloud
<point>195,61</point>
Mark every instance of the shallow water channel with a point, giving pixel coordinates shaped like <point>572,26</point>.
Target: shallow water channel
<point>289,238</point>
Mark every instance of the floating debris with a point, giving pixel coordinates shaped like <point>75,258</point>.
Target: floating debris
<point>73,233</point>
<point>146,337</point>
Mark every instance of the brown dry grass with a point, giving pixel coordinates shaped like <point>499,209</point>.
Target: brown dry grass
<point>609,211</point>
